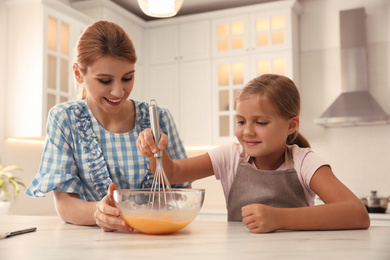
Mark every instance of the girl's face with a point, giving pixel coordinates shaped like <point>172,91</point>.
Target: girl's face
<point>108,83</point>
<point>261,130</point>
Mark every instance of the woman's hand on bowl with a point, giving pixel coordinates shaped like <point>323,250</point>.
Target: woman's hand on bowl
<point>107,216</point>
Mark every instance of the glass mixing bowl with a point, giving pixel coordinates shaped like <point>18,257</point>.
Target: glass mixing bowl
<point>159,212</point>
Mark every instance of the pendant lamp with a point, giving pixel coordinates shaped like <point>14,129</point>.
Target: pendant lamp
<point>160,8</point>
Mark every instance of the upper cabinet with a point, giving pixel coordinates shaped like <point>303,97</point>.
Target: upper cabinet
<point>180,42</point>
<point>60,35</point>
<point>268,30</point>
<point>180,75</point>
<point>41,37</point>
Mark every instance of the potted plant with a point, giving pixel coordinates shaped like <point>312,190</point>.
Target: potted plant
<point>9,187</point>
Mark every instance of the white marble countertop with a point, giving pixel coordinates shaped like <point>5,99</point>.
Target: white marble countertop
<point>202,239</point>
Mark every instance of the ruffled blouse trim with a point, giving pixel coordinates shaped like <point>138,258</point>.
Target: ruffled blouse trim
<point>142,115</point>
<point>90,146</point>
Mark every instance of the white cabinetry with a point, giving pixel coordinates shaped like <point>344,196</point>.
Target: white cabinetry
<point>183,42</point>
<point>39,62</point>
<point>180,76</point>
<point>254,41</point>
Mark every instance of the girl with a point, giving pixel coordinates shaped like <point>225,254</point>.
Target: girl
<point>90,144</point>
<point>271,177</point>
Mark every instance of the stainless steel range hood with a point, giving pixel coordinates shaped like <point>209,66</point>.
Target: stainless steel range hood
<point>355,105</point>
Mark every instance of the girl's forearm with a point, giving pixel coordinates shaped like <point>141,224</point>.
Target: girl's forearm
<point>339,215</point>
<point>184,170</point>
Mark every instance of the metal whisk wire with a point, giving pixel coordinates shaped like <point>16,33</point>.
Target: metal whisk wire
<point>160,182</point>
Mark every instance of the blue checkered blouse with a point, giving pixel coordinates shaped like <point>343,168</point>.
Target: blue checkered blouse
<point>81,157</point>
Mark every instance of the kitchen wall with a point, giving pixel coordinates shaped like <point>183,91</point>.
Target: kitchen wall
<point>358,155</point>
<point>3,64</point>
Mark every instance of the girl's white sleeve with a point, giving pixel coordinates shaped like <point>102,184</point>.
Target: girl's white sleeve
<point>225,160</point>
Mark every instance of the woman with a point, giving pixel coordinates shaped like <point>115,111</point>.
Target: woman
<point>90,146</point>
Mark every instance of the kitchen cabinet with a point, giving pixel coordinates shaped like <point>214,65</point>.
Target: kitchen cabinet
<point>265,31</point>
<point>183,42</point>
<point>135,28</point>
<point>39,62</point>
<point>180,76</point>
<point>258,41</point>
<point>185,89</point>
<point>61,33</point>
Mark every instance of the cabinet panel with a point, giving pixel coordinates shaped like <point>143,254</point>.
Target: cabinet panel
<point>185,89</point>
<point>270,31</point>
<point>230,35</point>
<point>183,42</point>
<point>229,75</point>
<point>164,44</point>
<point>272,62</point>
<point>265,31</point>
<point>61,34</point>
<point>164,87</point>
<point>195,125</point>
<point>195,40</point>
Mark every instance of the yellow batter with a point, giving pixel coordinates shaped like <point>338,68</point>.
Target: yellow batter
<point>160,225</point>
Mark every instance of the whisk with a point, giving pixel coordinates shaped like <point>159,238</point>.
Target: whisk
<point>160,182</point>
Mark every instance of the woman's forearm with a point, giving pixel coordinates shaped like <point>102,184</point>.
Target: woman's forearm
<point>73,210</point>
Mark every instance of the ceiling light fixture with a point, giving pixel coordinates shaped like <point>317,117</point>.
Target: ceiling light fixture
<point>160,8</point>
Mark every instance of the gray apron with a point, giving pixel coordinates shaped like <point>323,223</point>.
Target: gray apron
<point>281,189</point>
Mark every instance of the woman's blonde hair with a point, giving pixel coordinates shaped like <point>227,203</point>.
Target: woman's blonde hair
<point>102,38</point>
<point>282,93</point>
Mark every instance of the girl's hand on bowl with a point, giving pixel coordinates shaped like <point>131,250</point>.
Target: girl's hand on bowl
<point>107,216</point>
<point>146,144</point>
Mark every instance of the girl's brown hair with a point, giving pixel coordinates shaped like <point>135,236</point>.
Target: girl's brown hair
<point>283,95</point>
<point>102,38</point>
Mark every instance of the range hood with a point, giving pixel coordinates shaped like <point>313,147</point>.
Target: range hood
<point>355,105</point>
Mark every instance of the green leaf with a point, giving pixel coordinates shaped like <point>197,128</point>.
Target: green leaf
<point>2,184</point>
<point>9,183</point>
<point>21,184</point>
<point>16,188</point>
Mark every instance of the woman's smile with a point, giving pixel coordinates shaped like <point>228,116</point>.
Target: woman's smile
<point>113,102</point>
